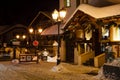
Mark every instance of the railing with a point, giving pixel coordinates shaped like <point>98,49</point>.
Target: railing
<point>99,60</point>
<point>85,56</point>
<point>28,58</point>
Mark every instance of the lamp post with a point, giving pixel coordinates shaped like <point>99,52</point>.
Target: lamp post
<point>58,16</point>
<point>19,39</point>
<point>35,32</point>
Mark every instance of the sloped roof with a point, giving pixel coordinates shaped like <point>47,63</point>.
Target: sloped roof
<point>43,19</point>
<point>52,30</point>
<point>100,12</point>
<point>97,12</point>
<point>12,27</point>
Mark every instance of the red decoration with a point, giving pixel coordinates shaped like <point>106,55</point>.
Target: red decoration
<point>35,43</point>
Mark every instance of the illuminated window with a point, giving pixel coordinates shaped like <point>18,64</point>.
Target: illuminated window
<point>105,33</point>
<point>115,33</point>
<point>67,3</point>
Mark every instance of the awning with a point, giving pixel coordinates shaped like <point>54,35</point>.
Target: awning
<point>52,30</point>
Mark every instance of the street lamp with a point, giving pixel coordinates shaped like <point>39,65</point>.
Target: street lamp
<point>31,30</point>
<point>35,32</point>
<point>24,36</point>
<point>58,16</point>
<point>20,37</point>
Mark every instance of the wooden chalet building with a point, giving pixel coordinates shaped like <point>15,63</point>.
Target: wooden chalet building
<point>8,35</point>
<point>89,30</point>
<point>84,36</point>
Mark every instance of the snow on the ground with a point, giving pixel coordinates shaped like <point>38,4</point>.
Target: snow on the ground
<point>50,71</point>
<point>46,71</point>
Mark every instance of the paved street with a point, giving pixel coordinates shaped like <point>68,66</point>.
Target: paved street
<point>45,71</point>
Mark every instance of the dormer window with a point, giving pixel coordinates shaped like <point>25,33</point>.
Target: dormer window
<point>67,3</point>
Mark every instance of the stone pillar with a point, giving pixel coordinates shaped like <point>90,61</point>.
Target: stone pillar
<point>63,51</point>
<point>80,51</point>
<point>75,56</point>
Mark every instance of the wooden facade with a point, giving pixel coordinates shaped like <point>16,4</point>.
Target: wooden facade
<point>86,33</point>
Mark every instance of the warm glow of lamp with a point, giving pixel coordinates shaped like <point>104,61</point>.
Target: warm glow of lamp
<point>55,15</point>
<point>59,16</point>
<point>24,36</point>
<point>114,33</point>
<point>17,36</point>
<point>40,30</point>
<point>31,30</point>
<point>62,13</point>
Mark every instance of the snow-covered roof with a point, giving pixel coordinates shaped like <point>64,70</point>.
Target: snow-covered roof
<point>98,12</point>
<point>52,30</point>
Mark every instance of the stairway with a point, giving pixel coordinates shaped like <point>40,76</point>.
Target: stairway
<point>89,62</point>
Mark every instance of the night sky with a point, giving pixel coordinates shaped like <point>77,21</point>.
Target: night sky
<point>23,11</point>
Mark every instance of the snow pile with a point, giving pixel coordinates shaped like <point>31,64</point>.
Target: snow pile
<point>56,69</point>
<point>15,61</point>
<point>101,76</point>
<point>59,68</point>
<point>51,59</point>
<point>115,62</point>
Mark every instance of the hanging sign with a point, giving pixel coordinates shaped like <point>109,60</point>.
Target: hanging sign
<point>35,43</point>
